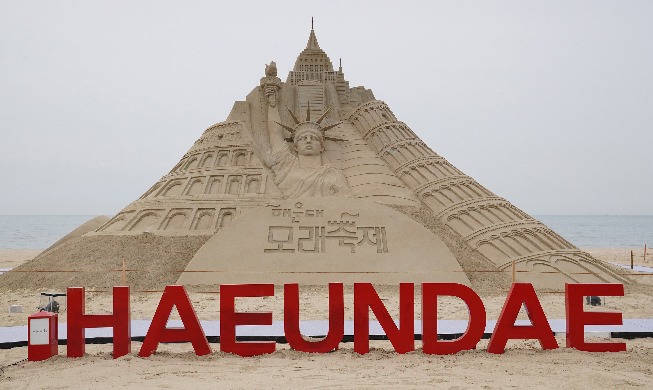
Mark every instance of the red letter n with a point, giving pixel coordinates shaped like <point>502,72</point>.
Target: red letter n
<point>79,321</point>
<point>365,298</point>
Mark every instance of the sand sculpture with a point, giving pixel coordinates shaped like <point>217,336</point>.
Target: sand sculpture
<point>311,181</point>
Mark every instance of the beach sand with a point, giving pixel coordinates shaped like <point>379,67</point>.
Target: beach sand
<point>622,255</point>
<point>523,365</point>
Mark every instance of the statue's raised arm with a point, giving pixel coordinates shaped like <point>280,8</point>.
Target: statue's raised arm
<point>275,131</point>
<point>304,174</point>
<point>271,85</point>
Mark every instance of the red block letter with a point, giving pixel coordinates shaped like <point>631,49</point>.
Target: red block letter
<point>577,318</point>
<point>475,328</point>
<point>78,322</point>
<point>365,298</point>
<point>229,319</point>
<point>336,320</point>
<point>191,332</point>
<point>521,293</point>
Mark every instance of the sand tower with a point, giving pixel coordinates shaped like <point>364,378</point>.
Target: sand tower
<point>310,180</point>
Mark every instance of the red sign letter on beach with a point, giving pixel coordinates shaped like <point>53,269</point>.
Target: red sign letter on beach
<point>521,293</point>
<point>291,320</point>
<point>229,318</point>
<point>365,298</point>
<point>191,332</point>
<point>577,318</point>
<point>78,322</point>
<point>475,328</point>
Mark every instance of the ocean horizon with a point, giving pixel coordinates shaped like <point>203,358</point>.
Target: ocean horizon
<point>584,231</point>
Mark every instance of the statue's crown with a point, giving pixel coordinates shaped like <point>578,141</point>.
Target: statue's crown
<point>307,125</point>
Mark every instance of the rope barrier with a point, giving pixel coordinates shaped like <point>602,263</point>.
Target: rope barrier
<point>218,292</point>
<point>2,369</point>
<point>153,291</point>
<point>319,272</point>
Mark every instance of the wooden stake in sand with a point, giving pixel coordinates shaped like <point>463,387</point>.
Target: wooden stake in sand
<point>644,252</point>
<point>513,271</point>
<point>124,274</point>
<point>631,260</point>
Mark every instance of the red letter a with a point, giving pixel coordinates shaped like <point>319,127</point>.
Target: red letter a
<point>192,330</point>
<point>521,293</point>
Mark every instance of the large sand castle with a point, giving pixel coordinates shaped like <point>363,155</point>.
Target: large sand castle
<point>310,181</point>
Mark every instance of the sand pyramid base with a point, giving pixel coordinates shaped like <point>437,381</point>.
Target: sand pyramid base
<point>95,262</point>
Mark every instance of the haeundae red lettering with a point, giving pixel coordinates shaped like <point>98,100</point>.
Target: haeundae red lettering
<point>366,298</point>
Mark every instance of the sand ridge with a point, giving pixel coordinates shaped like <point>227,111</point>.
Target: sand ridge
<point>96,261</point>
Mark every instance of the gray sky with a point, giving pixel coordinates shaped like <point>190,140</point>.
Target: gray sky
<point>548,104</point>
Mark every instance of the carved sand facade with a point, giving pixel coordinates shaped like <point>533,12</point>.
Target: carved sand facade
<point>360,150</point>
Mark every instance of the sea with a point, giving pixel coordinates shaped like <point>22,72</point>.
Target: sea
<point>584,231</point>
<point>36,231</point>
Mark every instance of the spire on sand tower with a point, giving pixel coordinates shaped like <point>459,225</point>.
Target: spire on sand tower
<point>312,40</point>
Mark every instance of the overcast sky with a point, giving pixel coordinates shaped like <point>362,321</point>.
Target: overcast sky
<point>548,104</point>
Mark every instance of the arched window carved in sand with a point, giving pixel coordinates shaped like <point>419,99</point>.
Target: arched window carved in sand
<point>196,186</point>
<point>223,158</point>
<point>118,223</point>
<point>233,186</point>
<point>173,188</point>
<point>491,250</point>
<point>432,200</point>
<point>147,221</point>
<point>384,137</point>
<point>240,158</point>
<point>226,217</point>
<point>203,220</point>
<point>253,185</point>
<point>208,160</point>
<point>192,164</point>
<point>408,176</point>
<point>393,133</point>
<point>376,141</point>
<point>392,157</point>
<point>215,185</point>
<point>175,220</point>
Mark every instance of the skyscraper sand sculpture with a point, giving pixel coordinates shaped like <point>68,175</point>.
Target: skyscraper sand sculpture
<point>312,181</point>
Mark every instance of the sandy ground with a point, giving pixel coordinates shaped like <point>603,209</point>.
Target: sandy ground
<point>622,255</point>
<point>524,364</point>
